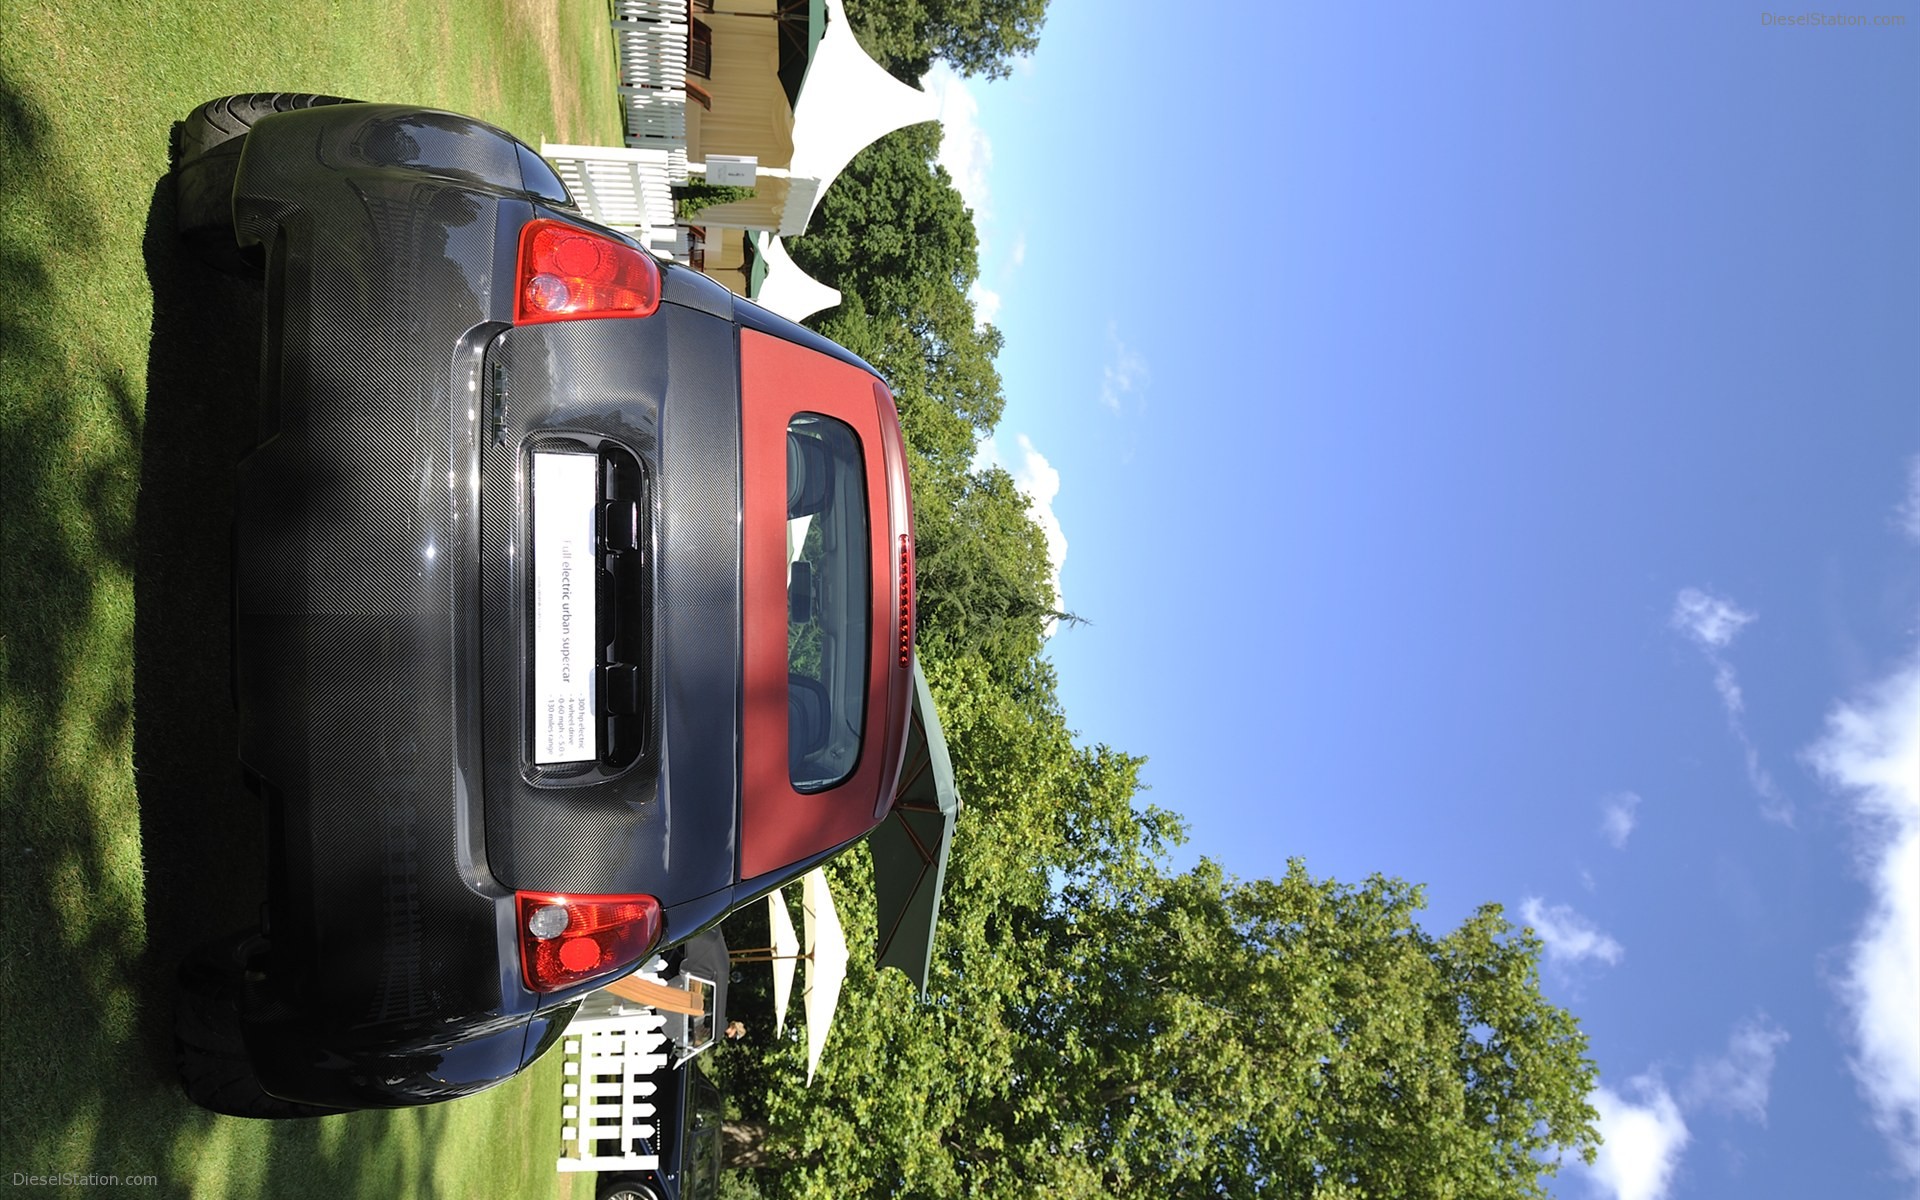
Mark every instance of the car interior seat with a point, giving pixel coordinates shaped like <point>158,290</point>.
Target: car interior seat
<point>809,475</point>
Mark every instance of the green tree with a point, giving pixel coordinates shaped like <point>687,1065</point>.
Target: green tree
<point>1099,1027</point>
<point>974,37</point>
<point>984,577</point>
<point>1299,1037</point>
<point>895,237</point>
<point>892,226</point>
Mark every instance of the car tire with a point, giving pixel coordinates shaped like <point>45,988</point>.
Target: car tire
<point>206,158</point>
<point>208,1048</point>
<point>621,1190</point>
<point>230,117</point>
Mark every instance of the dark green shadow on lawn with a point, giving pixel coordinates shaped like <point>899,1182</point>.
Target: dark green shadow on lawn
<point>70,425</point>
<point>124,836</point>
<point>202,836</point>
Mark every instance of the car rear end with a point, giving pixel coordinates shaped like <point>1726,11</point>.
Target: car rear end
<point>513,605</point>
<point>396,583</point>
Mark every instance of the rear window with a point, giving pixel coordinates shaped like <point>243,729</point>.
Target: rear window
<point>827,600</point>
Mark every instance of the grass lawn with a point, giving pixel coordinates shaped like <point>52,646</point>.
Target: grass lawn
<point>122,366</point>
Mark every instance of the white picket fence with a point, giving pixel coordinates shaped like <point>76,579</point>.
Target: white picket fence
<point>651,39</point>
<point>652,54</point>
<point>608,1122</point>
<point>674,11</point>
<point>655,117</point>
<point>630,188</point>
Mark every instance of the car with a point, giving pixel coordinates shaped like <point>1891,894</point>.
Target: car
<point>573,604</point>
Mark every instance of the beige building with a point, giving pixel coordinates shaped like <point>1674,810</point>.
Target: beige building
<point>774,93</point>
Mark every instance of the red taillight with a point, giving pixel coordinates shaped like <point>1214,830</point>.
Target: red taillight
<point>582,937</point>
<point>900,510</point>
<point>906,601</point>
<point>566,274</point>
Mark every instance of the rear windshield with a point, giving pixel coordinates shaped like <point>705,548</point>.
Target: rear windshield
<point>828,595</point>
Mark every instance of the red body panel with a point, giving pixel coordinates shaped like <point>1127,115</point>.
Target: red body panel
<point>780,826</point>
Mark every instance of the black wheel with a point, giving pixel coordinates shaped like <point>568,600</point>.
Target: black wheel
<point>230,117</point>
<point>623,1187</point>
<point>212,1057</point>
<point>206,155</point>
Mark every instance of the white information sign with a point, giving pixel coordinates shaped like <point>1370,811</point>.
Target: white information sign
<point>565,488</point>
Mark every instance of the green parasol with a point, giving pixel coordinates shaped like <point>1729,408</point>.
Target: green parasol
<point>910,847</point>
<point>802,23</point>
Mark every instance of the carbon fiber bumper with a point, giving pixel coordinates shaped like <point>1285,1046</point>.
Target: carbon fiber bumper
<point>358,649</point>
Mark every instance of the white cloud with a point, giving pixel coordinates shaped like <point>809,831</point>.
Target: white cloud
<point>1617,818</point>
<point>1739,1081</point>
<point>1909,511</point>
<point>1569,937</point>
<point>1643,1129</point>
<point>1709,620</point>
<point>1775,807</point>
<point>965,150</point>
<point>1017,257</point>
<point>1728,686</point>
<point>1644,1141</point>
<point>1712,622</point>
<point>967,154</point>
<point>1870,753</point>
<point>1039,481</point>
<point>986,303</point>
<point>1125,371</point>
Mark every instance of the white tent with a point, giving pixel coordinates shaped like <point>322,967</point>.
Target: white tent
<point>825,953</point>
<point>847,103</point>
<point>826,956</point>
<point>787,289</point>
<point>785,954</point>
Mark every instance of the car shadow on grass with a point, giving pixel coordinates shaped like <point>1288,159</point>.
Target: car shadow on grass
<point>203,839</point>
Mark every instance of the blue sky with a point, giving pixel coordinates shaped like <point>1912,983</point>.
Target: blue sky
<point>1485,440</point>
